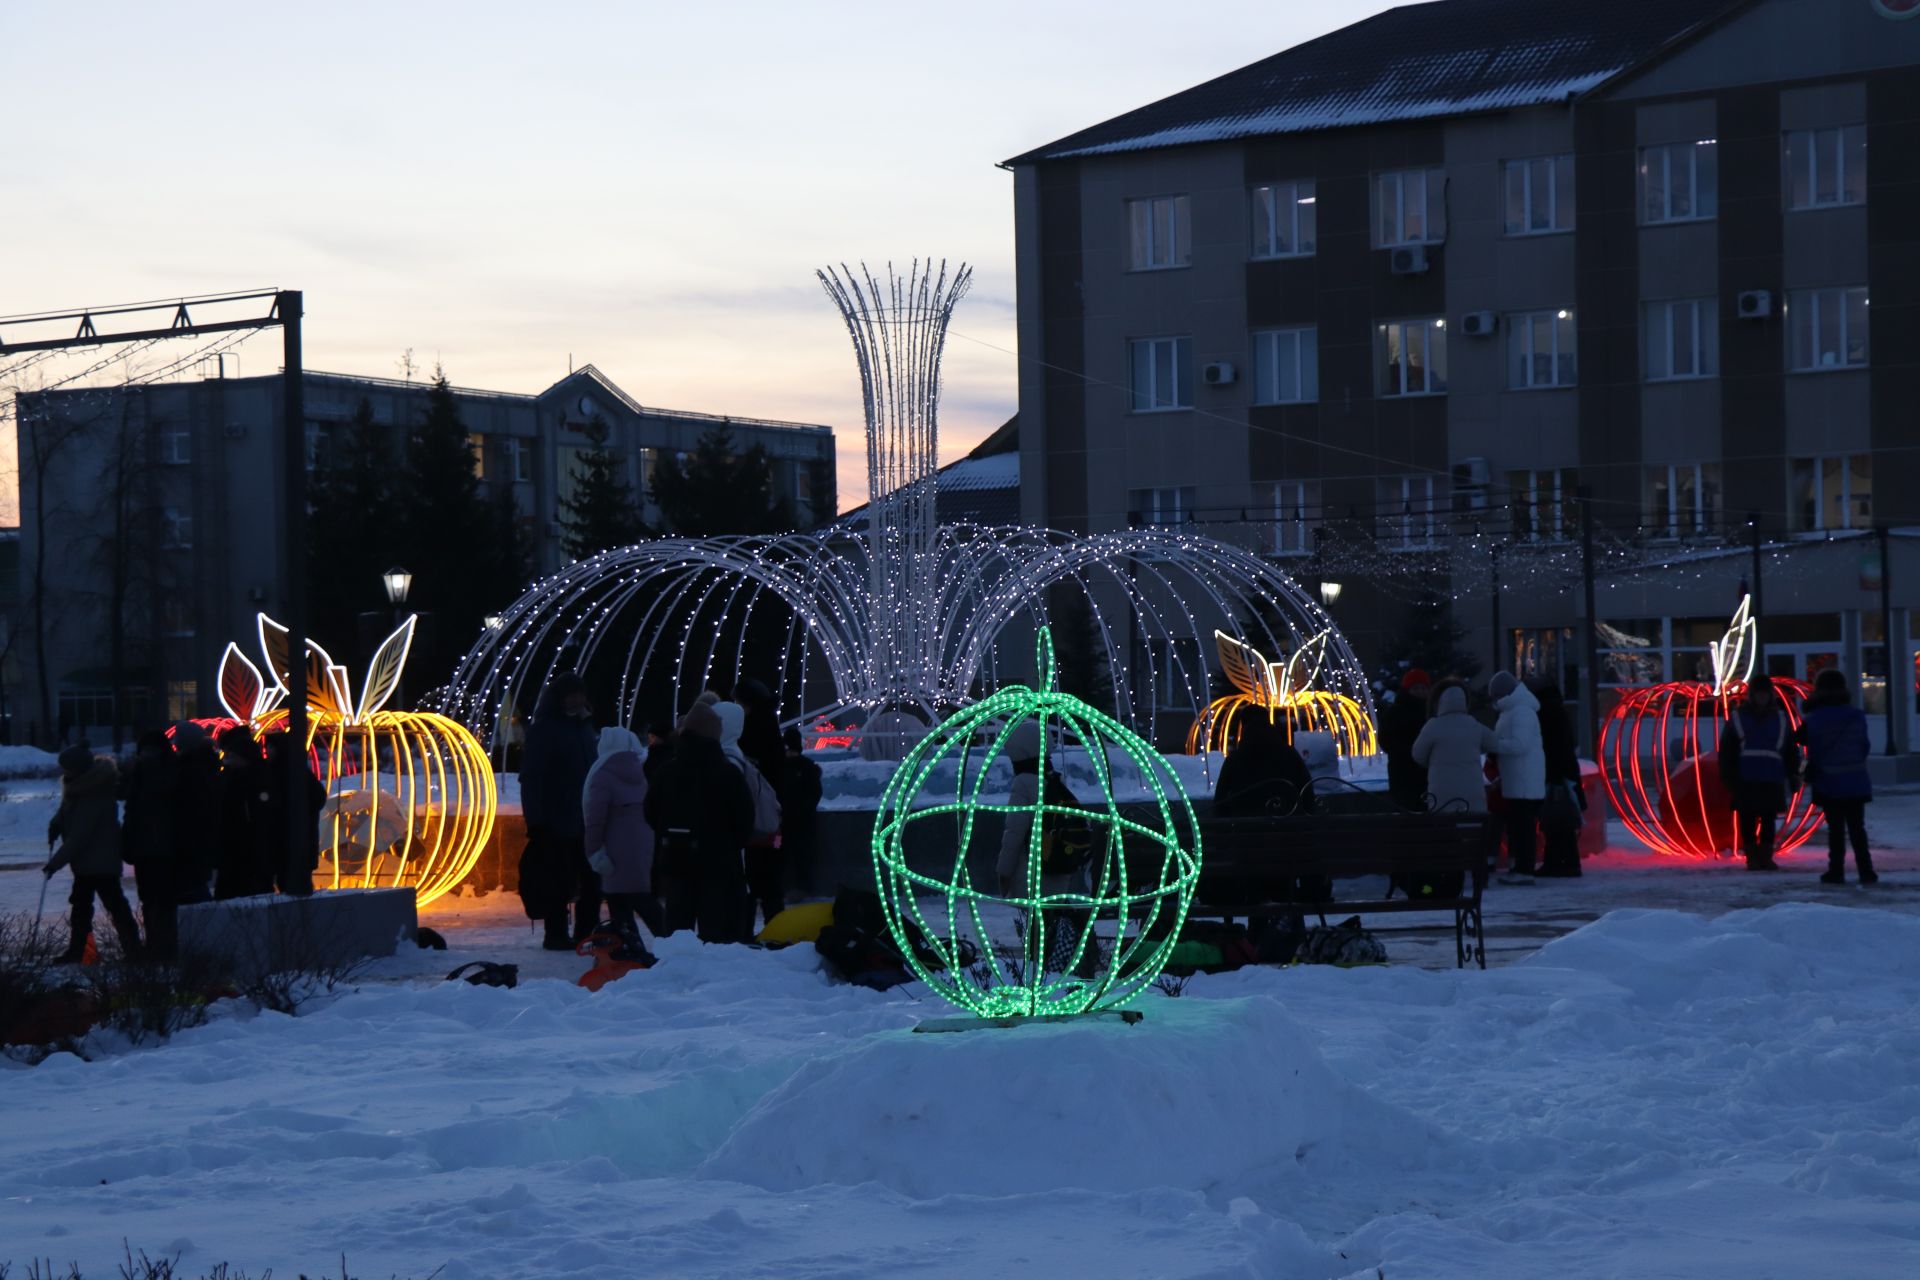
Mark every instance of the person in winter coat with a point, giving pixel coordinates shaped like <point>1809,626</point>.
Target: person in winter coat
<point>1263,776</point>
<point>1834,733</point>
<point>560,748</point>
<point>149,838</point>
<point>244,868</point>
<point>1523,769</point>
<point>760,732</point>
<point>1566,798</point>
<point>799,811</point>
<point>196,813</point>
<point>766,869</point>
<point>618,840</point>
<point>1450,747</point>
<point>1400,727</point>
<point>87,825</point>
<point>292,865</point>
<point>702,815</point>
<point>1760,767</point>
<point>1029,783</point>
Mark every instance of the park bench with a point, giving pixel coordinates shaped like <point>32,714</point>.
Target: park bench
<point>1241,855</point>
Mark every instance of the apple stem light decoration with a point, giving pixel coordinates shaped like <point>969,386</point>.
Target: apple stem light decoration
<point>1659,752</point>
<point>908,615</point>
<point>1284,692</point>
<point>1135,888</point>
<point>411,796</point>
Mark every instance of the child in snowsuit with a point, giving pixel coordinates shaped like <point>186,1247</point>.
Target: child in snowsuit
<point>87,825</point>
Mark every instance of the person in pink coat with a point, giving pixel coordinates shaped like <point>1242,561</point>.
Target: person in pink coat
<point>619,842</point>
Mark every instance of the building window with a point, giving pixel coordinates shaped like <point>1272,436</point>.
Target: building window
<point>1162,506</point>
<point>1680,182</point>
<point>1284,220</point>
<point>1826,167</point>
<point>1682,498</point>
<point>1413,357</point>
<point>520,452</point>
<point>1544,508</point>
<point>477,446</point>
<point>176,615</point>
<point>176,447</point>
<point>1539,195</point>
<point>183,699</point>
<point>1831,492</point>
<point>1683,339</point>
<point>1285,367</point>
<point>176,529</point>
<point>1296,504</point>
<point>1412,206</point>
<point>1540,350</point>
<point>1160,233</point>
<point>319,446</point>
<point>1826,329</point>
<point>1405,516</point>
<point>1162,374</point>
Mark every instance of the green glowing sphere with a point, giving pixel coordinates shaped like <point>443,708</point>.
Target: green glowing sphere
<point>1140,860</point>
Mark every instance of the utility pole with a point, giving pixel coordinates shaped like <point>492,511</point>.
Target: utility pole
<point>293,582</point>
<point>1753,586</point>
<point>1493,560</point>
<point>1895,690</point>
<point>1590,649</point>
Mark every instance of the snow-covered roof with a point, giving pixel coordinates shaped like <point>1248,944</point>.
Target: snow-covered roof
<point>1419,61</point>
<point>998,471</point>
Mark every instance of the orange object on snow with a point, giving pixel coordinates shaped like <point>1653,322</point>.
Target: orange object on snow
<point>612,958</point>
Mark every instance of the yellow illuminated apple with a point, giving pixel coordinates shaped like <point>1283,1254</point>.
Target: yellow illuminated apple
<point>1284,693</point>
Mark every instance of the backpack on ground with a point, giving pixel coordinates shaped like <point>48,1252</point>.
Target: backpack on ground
<point>860,909</point>
<point>1066,839</point>
<point>854,955</point>
<point>485,973</point>
<point>1345,944</point>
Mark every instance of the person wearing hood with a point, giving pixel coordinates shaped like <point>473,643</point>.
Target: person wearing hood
<point>1264,777</point>
<point>1834,733</point>
<point>560,748</point>
<point>87,826</point>
<point>149,837</point>
<point>196,813</point>
<point>1523,769</point>
<point>618,840</point>
<point>766,870</point>
<point>292,867</point>
<point>1449,748</point>
<point>1400,726</point>
<point>760,732</point>
<point>1566,800</point>
<point>702,816</point>
<point>1759,766</point>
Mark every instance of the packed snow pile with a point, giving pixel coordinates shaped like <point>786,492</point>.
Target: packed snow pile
<point>1656,1094</point>
<point>28,762</point>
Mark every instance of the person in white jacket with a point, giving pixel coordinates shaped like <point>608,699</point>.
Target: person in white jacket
<point>1523,770</point>
<point>1448,750</point>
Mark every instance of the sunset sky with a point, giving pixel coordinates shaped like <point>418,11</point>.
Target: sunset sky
<point>648,187</point>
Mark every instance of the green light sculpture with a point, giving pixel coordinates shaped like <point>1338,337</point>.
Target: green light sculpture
<point>1134,891</point>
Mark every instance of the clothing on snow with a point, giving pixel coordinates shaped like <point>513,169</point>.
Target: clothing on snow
<point>1450,747</point>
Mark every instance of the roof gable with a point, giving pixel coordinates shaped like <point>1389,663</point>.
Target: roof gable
<point>1419,61</point>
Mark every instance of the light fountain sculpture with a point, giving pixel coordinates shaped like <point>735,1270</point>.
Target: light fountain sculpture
<point>905,617</point>
<point>1284,692</point>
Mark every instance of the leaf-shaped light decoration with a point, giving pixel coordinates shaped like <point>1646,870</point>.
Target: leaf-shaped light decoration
<point>241,691</point>
<point>1303,668</point>
<point>274,648</point>
<point>1246,668</point>
<point>1735,652</point>
<point>383,673</point>
<point>327,693</point>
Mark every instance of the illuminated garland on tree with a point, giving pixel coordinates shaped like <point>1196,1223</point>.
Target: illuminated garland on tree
<point>1139,882</point>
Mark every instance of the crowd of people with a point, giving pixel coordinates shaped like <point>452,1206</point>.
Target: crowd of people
<point>202,821</point>
<point>699,827</point>
<point>1444,757</point>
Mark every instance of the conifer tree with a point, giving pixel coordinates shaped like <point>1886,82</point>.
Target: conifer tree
<point>351,533</point>
<point>600,512</point>
<point>718,491</point>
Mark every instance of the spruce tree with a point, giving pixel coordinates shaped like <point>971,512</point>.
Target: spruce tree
<point>1430,639</point>
<point>351,534</point>
<point>600,512</point>
<point>718,491</point>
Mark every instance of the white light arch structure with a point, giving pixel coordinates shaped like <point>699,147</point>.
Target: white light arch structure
<point>910,613</point>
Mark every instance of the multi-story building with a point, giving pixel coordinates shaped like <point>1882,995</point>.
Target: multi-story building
<point>197,463</point>
<point>1465,275</point>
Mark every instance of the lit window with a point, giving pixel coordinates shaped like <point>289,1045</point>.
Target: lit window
<point>477,446</point>
<point>1406,514</point>
<point>1284,220</point>
<point>1682,338</point>
<point>1285,367</point>
<point>1834,492</point>
<point>1826,329</point>
<point>1412,207</point>
<point>1680,182</point>
<point>1159,233</point>
<point>1540,350</point>
<point>1538,195</point>
<point>1826,167</point>
<point>1413,357</point>
<point>1162,374</point>
<point>1682,498</point>
<point>1543,504</point>
<point>183,699</point>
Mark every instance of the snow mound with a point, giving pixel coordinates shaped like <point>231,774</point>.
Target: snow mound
<point>1221,1092</point>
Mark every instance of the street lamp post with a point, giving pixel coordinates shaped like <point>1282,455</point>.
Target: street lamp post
<point>1330,594</point>
<point>398,583</point>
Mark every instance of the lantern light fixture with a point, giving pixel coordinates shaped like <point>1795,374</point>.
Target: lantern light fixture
<point>398,583</point>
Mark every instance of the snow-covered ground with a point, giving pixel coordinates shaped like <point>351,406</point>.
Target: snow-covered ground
<point>1728,1089</point>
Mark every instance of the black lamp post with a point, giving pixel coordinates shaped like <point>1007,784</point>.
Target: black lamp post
<point>398,583</point>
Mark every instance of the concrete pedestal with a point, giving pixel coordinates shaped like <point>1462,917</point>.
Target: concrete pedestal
<point>270,933</point>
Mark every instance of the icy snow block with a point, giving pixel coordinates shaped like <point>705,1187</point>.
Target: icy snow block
<point>270,933</point>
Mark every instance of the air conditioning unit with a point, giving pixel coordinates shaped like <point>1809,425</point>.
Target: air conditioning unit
<point>1408,260</point>
<point>1471,473</point>
<point>1756,304</point>
<point>1479,324</point>
<point>236,430</point>
<point>1218,374</point>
